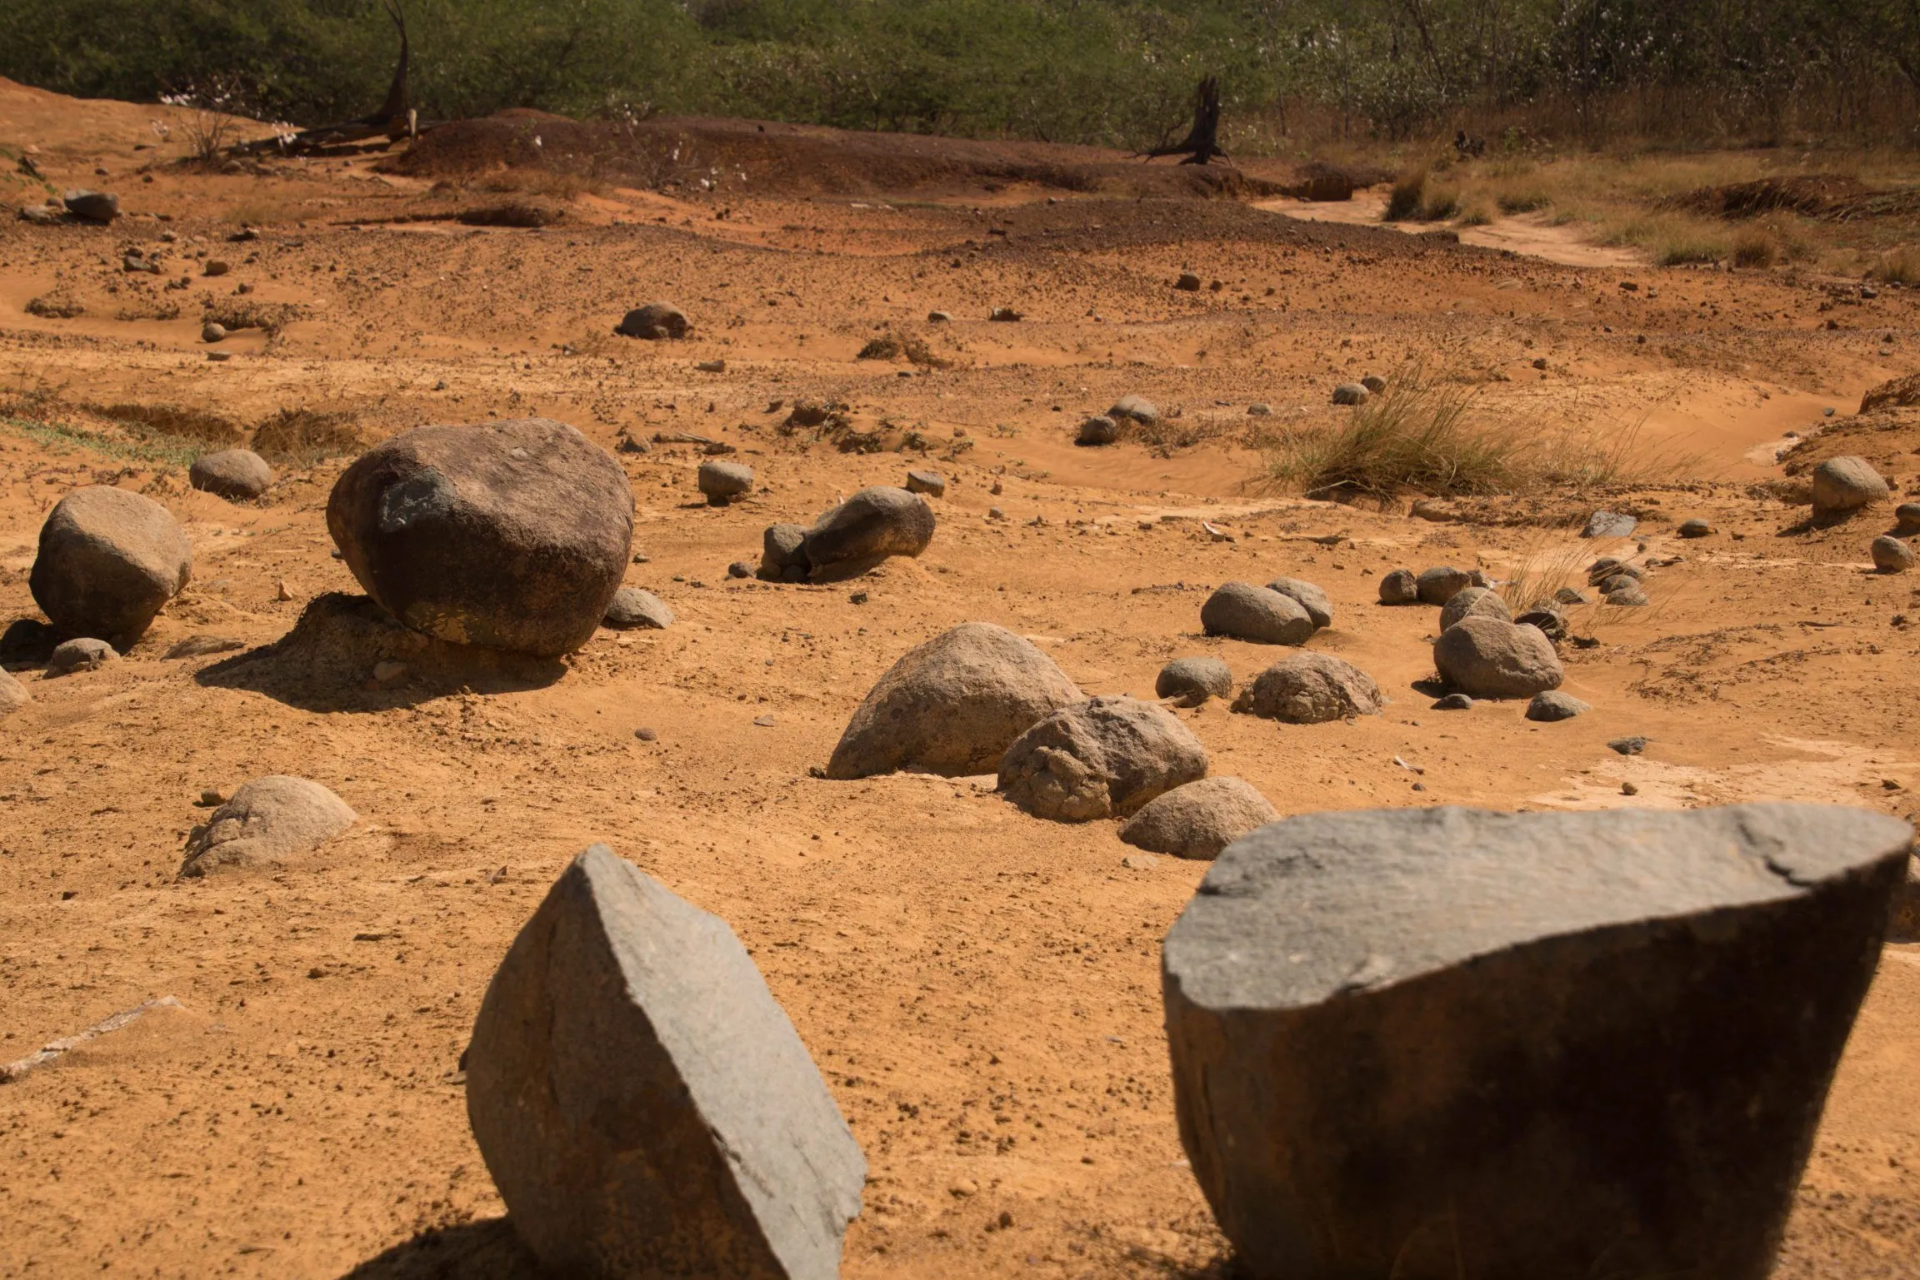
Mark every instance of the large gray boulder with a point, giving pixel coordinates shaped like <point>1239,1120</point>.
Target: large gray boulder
<point>1491,658</point>
<point>1199,819</point>
<point>642,1101</point>
<point>1310,688</point>
<point>1308,597</point>
<point>1246,612</point>
<point>952,705</point>
<point>269,818</point>
<point>1845,484</point>
<point>239,475</point>
<point>867,528</point>
<point>511,535</point>
<point>1102,758</point>
<point>1533,1046</point>
<point>108,561</point>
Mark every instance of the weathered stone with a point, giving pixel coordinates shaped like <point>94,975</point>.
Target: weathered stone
<point>269,818</point>
<point>1400,587</point>
<point>1375,383</point>
<point>84,654</point>
<point>1443,582</point>
<point>1102,758</point>
<point>1098,430</point>
<point>783,547</point>
<point>1695,528</point>
<point>1890,555</point>
<point>722,482</point>
<point>1308,597</point>
<point>1199,819</point>
<point>1488,658</point>
<point>1004,315</point>
<point>1548,617</point>
<point>1554,705</point>
<point>654,321</point>
<point>633,609</point>
<point>1846,484</point>
<point>213,332</point>
<point>510,535</point>
<point>952,705</point>
<point>1191,681</point>
<point>1478,602</point>
<point>1246,612</point>
<point>13,695</point>
<point>1453,702</point>
<point>1609,524</point>
<point>1310,688</point>
<point>1187,282</point>
<point>1569,595</point>
<point>867,528</point>
<point>1628,593</point>
<point>239,474</point>
<point>642,1101</point>
<point>108,561</point>
<point>931,483</point>
<point>1135,409</point>
<point>1448,1042</point>
<point>1351,393</point>
<point>92,206</point>
<point>1607,567</point>
<point>1908,516</point>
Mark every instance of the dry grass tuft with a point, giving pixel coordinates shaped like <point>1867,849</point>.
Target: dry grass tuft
<point>1898,266</point>
<point>302,437</point>
<point>1756,248</point>
<point>173,421</point>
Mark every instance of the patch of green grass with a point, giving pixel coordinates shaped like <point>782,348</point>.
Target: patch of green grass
<point>176,451</point>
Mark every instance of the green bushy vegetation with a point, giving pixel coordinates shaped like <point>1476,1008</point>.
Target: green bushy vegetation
<point>1103,71</point>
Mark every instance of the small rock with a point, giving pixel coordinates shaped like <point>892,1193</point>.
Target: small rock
<point>1890,555</point>
<point>722,482</point>
<point>1004,315</point>
<point>283,592</point>
<point>1490,658</point>
<point>995,513</point>
<point>645,734</point>
<point>858,597</point>
<point>1189,682</point>
<point>1310,688</point>
<point>652,322</point>
<point>740,569</point>
<point>211,332</point>
<point>1308,597</point>
<point>1139,862</point>
<point>931,483</point>
<point>1609,524</point>
<point>269,818</point>
<point>873,524</point>
<point>1908,514</point>
<point>1097,431</point>
<point>1188,282</point>
<point>1553,706</point>
<point>711,366</point>
<point>1351,393</point>
<point>1846,484</point>
<point>1629,746</point>
<point>1106,757</point>
<point>85,654</point>
<point>1135,409</point>
<point>633,609</point>
<point>1630,594</point>
<point>1695,528</point>
<point>939,317</point>
<point>1552,622</point>
<point>1400,587</point>
<point>1246,612</point>
<point>1605,568</point>
<point>1442,583</point>
<point>92,206</point>
<point>1454,702</point>
<point>1375,383</point>
<point>764,722</point>
<point>215,267</point>
<point>1570,595</point>
<point>783,547</point>
<point>235,474</point>
<point>219,357</point>
<point>1259,410</point>
<point>1199,819</point>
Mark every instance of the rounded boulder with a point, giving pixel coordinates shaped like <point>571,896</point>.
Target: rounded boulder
<point>1400,587</point>
<point>1199,819</point>
<point>654,321</point>
<point>1098,759</point>
<point>632,609</point>
<point>1478,602</point>
<point>268,818</point>
<point>952,705</point>
<point>1310,688</point>
<point>1890,555</point>
<point>1846,484</point>
<point>109,560</point>
<point>1191,681</point>
<point>1490,658</point>
<point>1308,597</point>
<point>1442,583</point>
<point>722,482</point>
<point>1246,612</point>
<point>1098,430</point>
<point>510,535</point>
<point>868,527</point>
<point>235,474</point>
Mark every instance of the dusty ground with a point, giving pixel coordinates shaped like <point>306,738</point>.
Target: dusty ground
<point>980,989</point>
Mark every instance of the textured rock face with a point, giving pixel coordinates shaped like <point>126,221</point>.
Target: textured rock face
<point>1191,681</point>
<point>654,321</point>
<point>1097,759</point>
<point>952,705</point>
<point>1554,706</point>
<point>1890,555</point>
<point>1476,601</point>
<point>1488,658</point>
<point>83,654</point>
<point>643,1103</point>
<point>1246,612</point>
<point>868,527</point>
<point>13,695</point>
<point>632,609</point>
<point>1442,583</point>
<point>931,483</point>
<point>511,535</point>
<point>1199,819</point>
<point>1400,587</point>
<point>239,474</point>
<point>1310,688</point>
<point>1135,409</point>
<point>1308,597</point>
<point>108,561</point>
<point>783,550</point>
<point>1098,430</point>
<point>1448,1042</point>
<point>722,482</point>
<point>1846,484</point>
<point>271,817</point>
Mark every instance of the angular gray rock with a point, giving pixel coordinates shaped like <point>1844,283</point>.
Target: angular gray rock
<point>1554,706</point>
<point>1308,597</point>
<point>1191,681</point>
<point>108,561</point>
<point>783,552</point>
<point>1890,555</point>
<point>867,528</point>
<point>1478,602</point>
<point>642,1101</point>
<point>952,705</point>
<point>269,818</point>
<point>1447,1042</point>
<point>931,483</point>
<point>239,474</point>
<point>1102,758</point>
<point>1199,819</point>
<point>510,535</point>
<point>1246,612</point>
<point>1443,582</point>
<point>84,654</point>
<point>722,482</point>
<point>1488,658</point>
<point>1846,484</point>
<point>633,609</point>
<point>1400,587</point>
<point>13,695</point>
<point>1097,430</point>
<point>654,321</point>
<point>1351,393</point>
<point>1310,688</point>
<point>1609,524</point>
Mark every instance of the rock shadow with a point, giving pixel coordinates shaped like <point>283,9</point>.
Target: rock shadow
<point>337,654</point>
<point>484,1250</point>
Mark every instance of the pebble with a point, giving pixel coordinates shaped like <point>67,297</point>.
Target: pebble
<point>645,735</point>
<point>763,722</point>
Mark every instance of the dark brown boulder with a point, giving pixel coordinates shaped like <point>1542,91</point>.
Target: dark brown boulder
<point>510,535</point>
<point>867,528</point>
<point>108,561</point>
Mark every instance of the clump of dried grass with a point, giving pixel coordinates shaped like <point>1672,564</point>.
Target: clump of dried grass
<point>302,437</point>
<point>892,346</point>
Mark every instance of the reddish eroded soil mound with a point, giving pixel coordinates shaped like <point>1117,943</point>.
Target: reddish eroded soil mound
<point>766,158</point>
